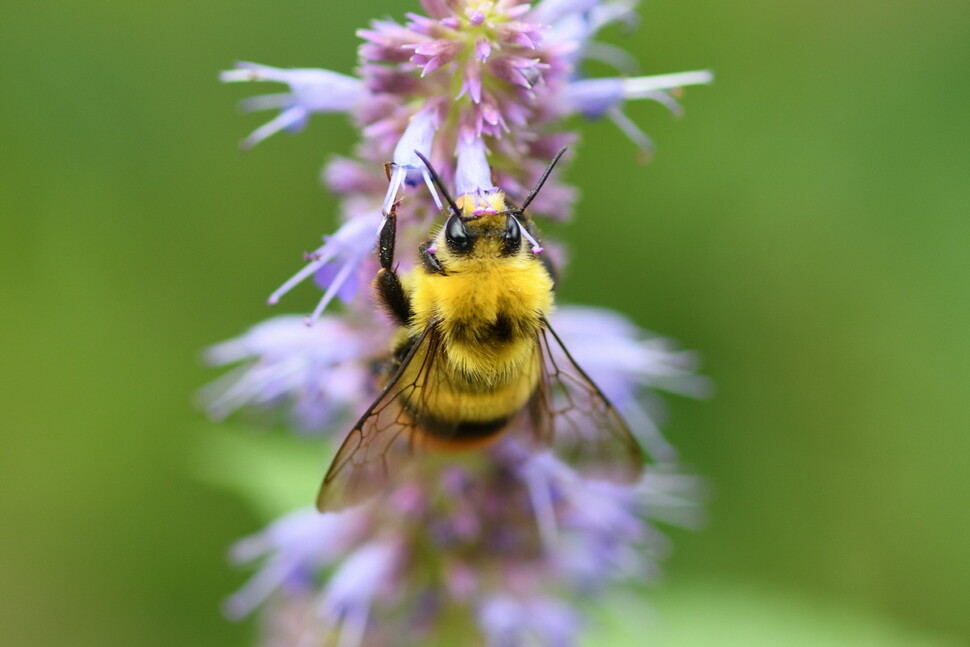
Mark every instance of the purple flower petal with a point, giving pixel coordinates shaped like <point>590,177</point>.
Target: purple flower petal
<point>287,362</point>
<point>473,173</point>
<point>592,97</point>
<point>483,49</point>
<point>549,11</point>
<point>345,176</point>
<point>472,82</point>
<point>524,34</point>
<point>311,90</point>
<point>300,541</point>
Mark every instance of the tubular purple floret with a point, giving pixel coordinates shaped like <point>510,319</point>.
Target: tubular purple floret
<point>347,248</point>
<point>509,621</point>
<point>311,91</point>
<point>483,49</point>
<point>349,265</point>
<point>535,473</point>
<point>317,373</point>
<point>299,541</point>
<point>603,96</point>
<point>363,575</point>
<point>472,173</point>
<point>550,11</point>
<point>345,604</point>
<point>418,137</point>
<point>629,128</point>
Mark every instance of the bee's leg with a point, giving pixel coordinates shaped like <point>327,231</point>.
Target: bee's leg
<point>387,283</point>
<point>428,258</point>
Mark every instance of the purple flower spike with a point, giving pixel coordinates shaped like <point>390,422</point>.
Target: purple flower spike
<point>503,545</point>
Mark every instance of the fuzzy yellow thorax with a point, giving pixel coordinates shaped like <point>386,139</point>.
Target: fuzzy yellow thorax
<point>489,307</point>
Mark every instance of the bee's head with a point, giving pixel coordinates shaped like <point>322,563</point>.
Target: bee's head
<point>483,228</point>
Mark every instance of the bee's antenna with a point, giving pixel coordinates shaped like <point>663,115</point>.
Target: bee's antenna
<point>542,180</point>
<point>438,183</point>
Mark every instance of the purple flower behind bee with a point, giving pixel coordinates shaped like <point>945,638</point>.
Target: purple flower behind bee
<point>506,620</point>
<point>319,373</point>
<point>493,548</point>
<point>627,363</point>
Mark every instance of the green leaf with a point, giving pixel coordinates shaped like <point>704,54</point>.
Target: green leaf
<point>724,614</point>
<point>272,472</point>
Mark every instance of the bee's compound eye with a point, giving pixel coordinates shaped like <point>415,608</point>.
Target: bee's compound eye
<point>512,236</point>
<point>456,236</point>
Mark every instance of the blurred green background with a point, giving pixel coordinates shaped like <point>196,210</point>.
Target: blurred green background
<point>805,227</point>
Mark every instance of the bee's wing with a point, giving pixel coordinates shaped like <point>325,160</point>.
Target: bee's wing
<point>571,415</point>
<point>381,442</point>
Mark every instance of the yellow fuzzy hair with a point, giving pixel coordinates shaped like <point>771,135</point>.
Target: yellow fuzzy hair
<point>482,375</point>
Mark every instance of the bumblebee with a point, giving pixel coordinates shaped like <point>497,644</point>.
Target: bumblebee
<point>475,356</point>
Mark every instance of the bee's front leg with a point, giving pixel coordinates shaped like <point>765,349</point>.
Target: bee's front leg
<point>431,263</point>
<point>387,283</point>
